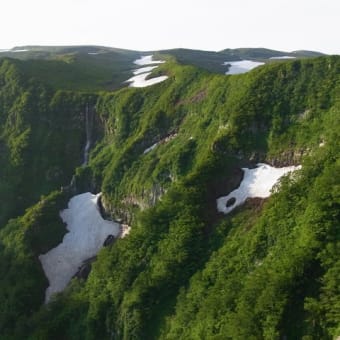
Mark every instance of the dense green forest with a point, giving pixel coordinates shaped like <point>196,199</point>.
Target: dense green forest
<point>268,270</point>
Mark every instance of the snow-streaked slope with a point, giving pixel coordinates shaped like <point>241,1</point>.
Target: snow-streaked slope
<point>87,233</point>
<point>14,51</point>
<point>141,81</point>
<point>256,182</point>
<point>144,69</point>
<point>140,74</point>
<point>147,60</point>
<point>283,57</point>
<point>242,66</point>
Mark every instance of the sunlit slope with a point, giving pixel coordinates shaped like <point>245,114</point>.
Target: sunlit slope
<point>77,68</point>
<point>164,154</point>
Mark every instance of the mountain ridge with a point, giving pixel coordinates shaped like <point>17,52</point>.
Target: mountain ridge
<point>267,270</point>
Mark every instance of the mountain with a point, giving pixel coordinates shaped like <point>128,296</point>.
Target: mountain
<point>103,68</point>
<point>81,67</point>
<point>162,156</point>
<point>264,53</point>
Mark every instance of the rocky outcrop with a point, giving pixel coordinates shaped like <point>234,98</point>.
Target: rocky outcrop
<point>109,240</point>
<point>287,158</point>
<point>123,212</point>
<point>84,270</point>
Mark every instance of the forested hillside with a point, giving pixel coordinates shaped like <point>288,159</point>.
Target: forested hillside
<point>161,156</point>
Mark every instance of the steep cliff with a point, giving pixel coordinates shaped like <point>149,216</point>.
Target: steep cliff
<point>161,156</point>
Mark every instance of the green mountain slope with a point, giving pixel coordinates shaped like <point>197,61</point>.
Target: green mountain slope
<point>265,53</point>
<point>76,68</point>
<point>164,154</point>
<point>41,136</point>
<point>105,68</point>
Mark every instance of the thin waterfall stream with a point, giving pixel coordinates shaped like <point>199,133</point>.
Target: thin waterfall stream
<point>88,129</point>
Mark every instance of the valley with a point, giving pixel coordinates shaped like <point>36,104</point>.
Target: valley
<point>218,177</point>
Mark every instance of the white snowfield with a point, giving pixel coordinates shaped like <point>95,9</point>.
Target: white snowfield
<point>242,66</point>
<point>141,81</point>
<point>14,51</point>
<point>256,182</point>
<point>144,70</point>
<point>87,233</point>
<point>147,60</point>
<point>140,74</point>
<point>283,57</point>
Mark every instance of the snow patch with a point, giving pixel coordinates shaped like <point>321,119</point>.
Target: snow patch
<point>140,74</point>
<point>283,57</point>
<point>87,233</point>
<point>14,51</point>
<point>242,66</point>
<point>150,148</point>
<point>147,60</point>
<point>167,139</point>
<point>256,182</point>
<point>141,81</point>
<point>144,69</point>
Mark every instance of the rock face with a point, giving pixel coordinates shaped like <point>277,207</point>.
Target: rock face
<point>85,269</point>
<point>123,212</point>
<point>288,158</point>
<point>230,202</point>
<point>109,240</point>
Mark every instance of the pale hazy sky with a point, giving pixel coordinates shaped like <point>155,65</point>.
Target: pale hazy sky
<point>150,24</point>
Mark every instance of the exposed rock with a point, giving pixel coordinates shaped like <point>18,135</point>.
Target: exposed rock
<point>125,230</point>
<point>230,202</point>
<point>287,158</point>
<point>109,240</point>
<point>124,211</point>
<point>85,269</point>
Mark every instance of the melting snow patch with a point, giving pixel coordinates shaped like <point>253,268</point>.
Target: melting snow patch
<point>147,60</point>
<point>150,148</point>
<point>256,183</point>
<point>141,81</point>
<point>14,51</point>
<point>283,57</point>
<point>144,69</point>
<point>140,74</point>
<point>242,66</point>
<point>87,233</point>
<point>167,139</point>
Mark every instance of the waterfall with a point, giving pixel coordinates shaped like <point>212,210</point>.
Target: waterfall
<point>88,128</point>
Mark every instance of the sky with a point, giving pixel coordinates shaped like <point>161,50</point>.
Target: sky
<point>143,25</point>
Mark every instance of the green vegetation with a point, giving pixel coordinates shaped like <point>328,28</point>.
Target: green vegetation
<point>41,138</point>
<point>268,270</point>
<point>84,68</point>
